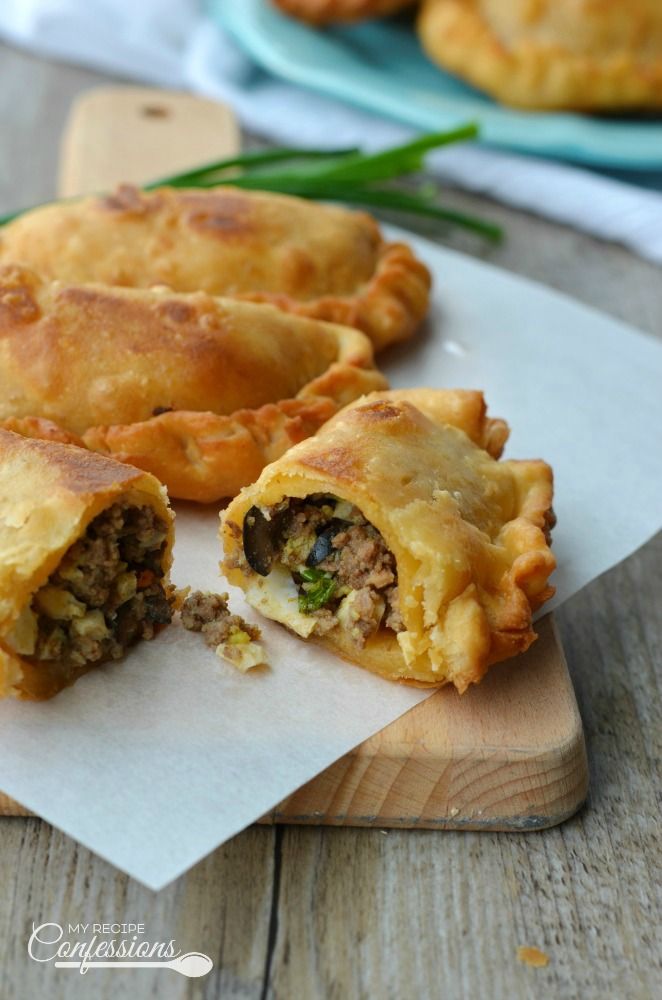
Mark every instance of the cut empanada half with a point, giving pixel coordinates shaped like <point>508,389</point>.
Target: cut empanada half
<point>333,11</point>
<point>313,260</point>
<point>396,538</point>
<point>200,391</point>
<point>85,553</point>
<point>576,54</point>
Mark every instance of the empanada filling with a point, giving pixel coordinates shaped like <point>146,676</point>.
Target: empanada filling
<point>231,636</point>
<point>105,595</point>
<point>344,572</point>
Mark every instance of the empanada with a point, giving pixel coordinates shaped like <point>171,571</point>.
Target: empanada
<point>582,54</point>
<point>395,539</point>
<point>85,551</point>
<point>200,391</point>
<point>330,11</point>
<point>314,260</point>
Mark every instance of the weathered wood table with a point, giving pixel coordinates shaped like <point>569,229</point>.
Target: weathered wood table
<point>297,913</point>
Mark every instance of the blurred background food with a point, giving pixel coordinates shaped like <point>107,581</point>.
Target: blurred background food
<point>329,11</point>
<point>573,54</point>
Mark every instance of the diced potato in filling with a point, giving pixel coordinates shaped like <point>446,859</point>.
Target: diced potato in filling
<point>232,638</point>
<point>106,594</point>
<point>344,572</point>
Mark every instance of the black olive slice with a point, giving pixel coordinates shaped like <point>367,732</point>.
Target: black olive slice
<point>260,540</point>
<point>323,547</point>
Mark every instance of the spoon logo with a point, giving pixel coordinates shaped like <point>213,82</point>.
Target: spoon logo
<point>111,946</point>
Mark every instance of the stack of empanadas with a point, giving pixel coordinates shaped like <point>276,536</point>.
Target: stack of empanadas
<point>197,336</point>
<point>313,260</point>
<point>115,335</point>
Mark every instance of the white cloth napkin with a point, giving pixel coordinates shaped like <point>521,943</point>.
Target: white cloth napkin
<point>173,43</point>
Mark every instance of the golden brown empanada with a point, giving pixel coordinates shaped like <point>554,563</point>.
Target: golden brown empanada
<point>85,551</point>
<point>310,259</point>
<point>582,54</point>
<point>395,539</point>
<point>200,391</point>
<point>330,11</point>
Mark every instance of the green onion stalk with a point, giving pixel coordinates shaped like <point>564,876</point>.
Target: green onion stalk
<point>343,175</point>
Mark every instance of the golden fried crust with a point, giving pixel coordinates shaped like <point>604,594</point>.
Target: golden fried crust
<point>200,391</point>
<point>49,493</point>
<point>329,11</point>
<point>581,54</point>
<point>463,408</point>
<point>315,260</point>
<point>469,534</point>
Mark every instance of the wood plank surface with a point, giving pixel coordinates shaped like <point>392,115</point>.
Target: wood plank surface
<point>510,753</point>
<point>321,912</point>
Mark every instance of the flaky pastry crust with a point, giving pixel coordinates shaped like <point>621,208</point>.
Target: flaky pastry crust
<point>462,408</point>
<point>469,534</point>
<point>200,391</point>
<point>49,494</point>
<point>331,11</point>
<point>575,54</point>
<point>314,260</point>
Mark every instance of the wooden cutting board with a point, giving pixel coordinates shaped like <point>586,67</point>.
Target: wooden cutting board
<point>507,755</point>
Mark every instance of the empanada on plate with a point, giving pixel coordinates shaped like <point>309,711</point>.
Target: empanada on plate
<point>314,260</point>
<point>576,54</point>
<point>394,538</point>
<point>85,552</point>
<point>331,11</point>
<point>200,391</point>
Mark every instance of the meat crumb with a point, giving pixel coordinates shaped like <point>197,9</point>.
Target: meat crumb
<point>232,638</point>
<point>532,956</point>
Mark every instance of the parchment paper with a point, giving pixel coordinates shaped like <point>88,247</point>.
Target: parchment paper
<point>154,762</point>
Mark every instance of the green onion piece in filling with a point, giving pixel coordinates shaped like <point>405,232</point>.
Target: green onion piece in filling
<point>321,588</point>
<point>312,575</point>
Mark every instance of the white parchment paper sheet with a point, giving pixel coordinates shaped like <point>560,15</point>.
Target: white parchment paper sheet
<point>154,762</point>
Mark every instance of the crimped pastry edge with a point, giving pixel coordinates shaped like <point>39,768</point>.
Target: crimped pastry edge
<point>207,456</point>
<point>388,308</point>
<point>204,456</point>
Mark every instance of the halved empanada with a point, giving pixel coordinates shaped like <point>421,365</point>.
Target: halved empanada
<point>314,260</point>
<point>201,391</point>
<point>394,538</point>
<point>578,54</point>
<point>85,551</point>
<point>330,11</point>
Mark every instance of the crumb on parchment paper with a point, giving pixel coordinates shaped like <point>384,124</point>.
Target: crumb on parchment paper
<point>532,956</point>
<point>231,637</point>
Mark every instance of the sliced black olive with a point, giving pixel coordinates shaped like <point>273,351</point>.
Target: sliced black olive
<point>323,547</point>
<point>260,540</point>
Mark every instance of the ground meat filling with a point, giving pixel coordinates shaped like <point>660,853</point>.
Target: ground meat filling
<point>107,592</point>
<point>345,573</point>
<point>209,614</point>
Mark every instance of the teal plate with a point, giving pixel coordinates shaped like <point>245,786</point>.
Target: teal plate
<point>379,66</point>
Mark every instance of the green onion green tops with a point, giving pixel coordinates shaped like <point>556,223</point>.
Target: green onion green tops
<point>344,175</point>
